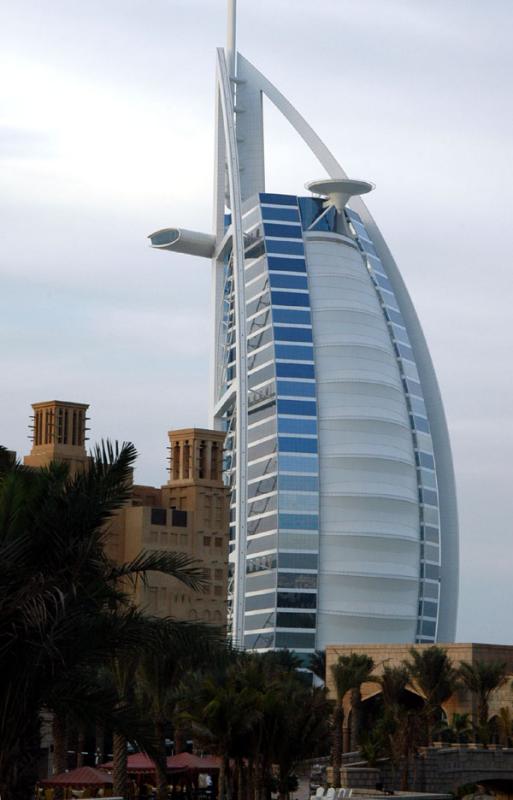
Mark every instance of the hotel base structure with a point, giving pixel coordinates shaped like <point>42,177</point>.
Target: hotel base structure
<point>343,523</point>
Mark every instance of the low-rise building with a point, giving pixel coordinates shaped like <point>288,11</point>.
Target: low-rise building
<point>189,514</point>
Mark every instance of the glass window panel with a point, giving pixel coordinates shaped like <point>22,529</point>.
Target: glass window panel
<point>368,247</point>
<point>429,497</point>
<point>290,463</point>
<point>295,640</point>
<point>418,406</point>
<point>256,269</point>
<point>294,444</point>
<point>257,286</point>
<point>263,486</point>
<point>326,221</point>
<point>283,281</point>
<point>299,502</point>
<point>294,370</point>
<point>299,483</point>
<point>257,323</point>
<point>431,552</point>
<point>260,526</point>
<point>262,543</point>
<point>293,315</point>
<point>260,580</point>
<point>311,208</point>
<point>294,352</point>
<point>298,561</point>
<point>405,351</point>
<point>424,441</point>
<point>430,590</point>
<point>261,563</point>
<point>260,358</point>
<point>261,376</point>
<point>262,505</point>
<point>288,214</point>
<point>297,600</point>
<point>425,460</point>
<point>431,534</point>
<point>429,571</point>
<point>428,628</point>
<point>427,478</point>
<point>262,468</point>
<point>295,389</point>
<point>303,408</point>
<point>260,413</point>
<point>412,387</point>
<point>297,580</point>
<point>258,641</point>
<point>263,449</point>
<point>300,620</point>
<point>260,339</point>
<point>282,231</point>
<point>388,299</point>
<point>430,515</point>
<point>259,431</point>
<point>254,246</point>
<point>301,522</point>
<point>420,424</point>
<point>274,199</point>
<point>284,333</point>
<point>297,299</point>
<point>430,609</point>
<point>259,304</point>
<point>288,247</point>
<point>258,601</point>
<point>296,425</point>
<point>253,622</point>
<point>279,263</point>
<point>298,540</point>
<point>395,316</point>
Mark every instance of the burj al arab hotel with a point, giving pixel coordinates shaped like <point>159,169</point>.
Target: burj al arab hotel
<point>343,506</point>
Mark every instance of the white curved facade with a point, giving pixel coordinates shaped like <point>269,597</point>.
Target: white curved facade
<point>344,520</point>
<point>369,517</point>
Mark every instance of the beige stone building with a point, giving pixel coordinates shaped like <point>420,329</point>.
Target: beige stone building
<point>58,434</point>
<point>394,654</point>
<point>189,514</point>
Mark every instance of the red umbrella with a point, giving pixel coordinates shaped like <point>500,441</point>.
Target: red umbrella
<point>82,776</point>
<point>191,761</point>
<point>137,762</point>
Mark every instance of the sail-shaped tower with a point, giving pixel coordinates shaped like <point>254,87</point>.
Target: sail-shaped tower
<point>343,506</point>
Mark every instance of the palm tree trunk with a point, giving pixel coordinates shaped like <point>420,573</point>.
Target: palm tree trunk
<point>99,745</point>
<point>336,757</point>
<point>59,744</point>
<point>80,745</point>
<point>161,762</point>
<point>221,791</point>
<point>120,768</point>
<point>356,717</point>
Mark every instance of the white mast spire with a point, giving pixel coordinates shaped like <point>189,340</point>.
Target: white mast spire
<point>231,36</point>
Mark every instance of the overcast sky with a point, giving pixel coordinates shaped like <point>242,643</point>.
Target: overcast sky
<point>106,134</point>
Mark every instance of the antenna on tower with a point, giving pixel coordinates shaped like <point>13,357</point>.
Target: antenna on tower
<point>231,36</point>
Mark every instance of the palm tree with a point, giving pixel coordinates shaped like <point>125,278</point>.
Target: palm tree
<point>317,664</point>
<point>342,674</point>
<point>221,713</point>
<point>362,666</point>
<point>481,678</point>
<point>60,596</point>
<point>395,730</point>
<point>432,673</point>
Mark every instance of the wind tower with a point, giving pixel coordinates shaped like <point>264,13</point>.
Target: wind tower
<point>343,506</point>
